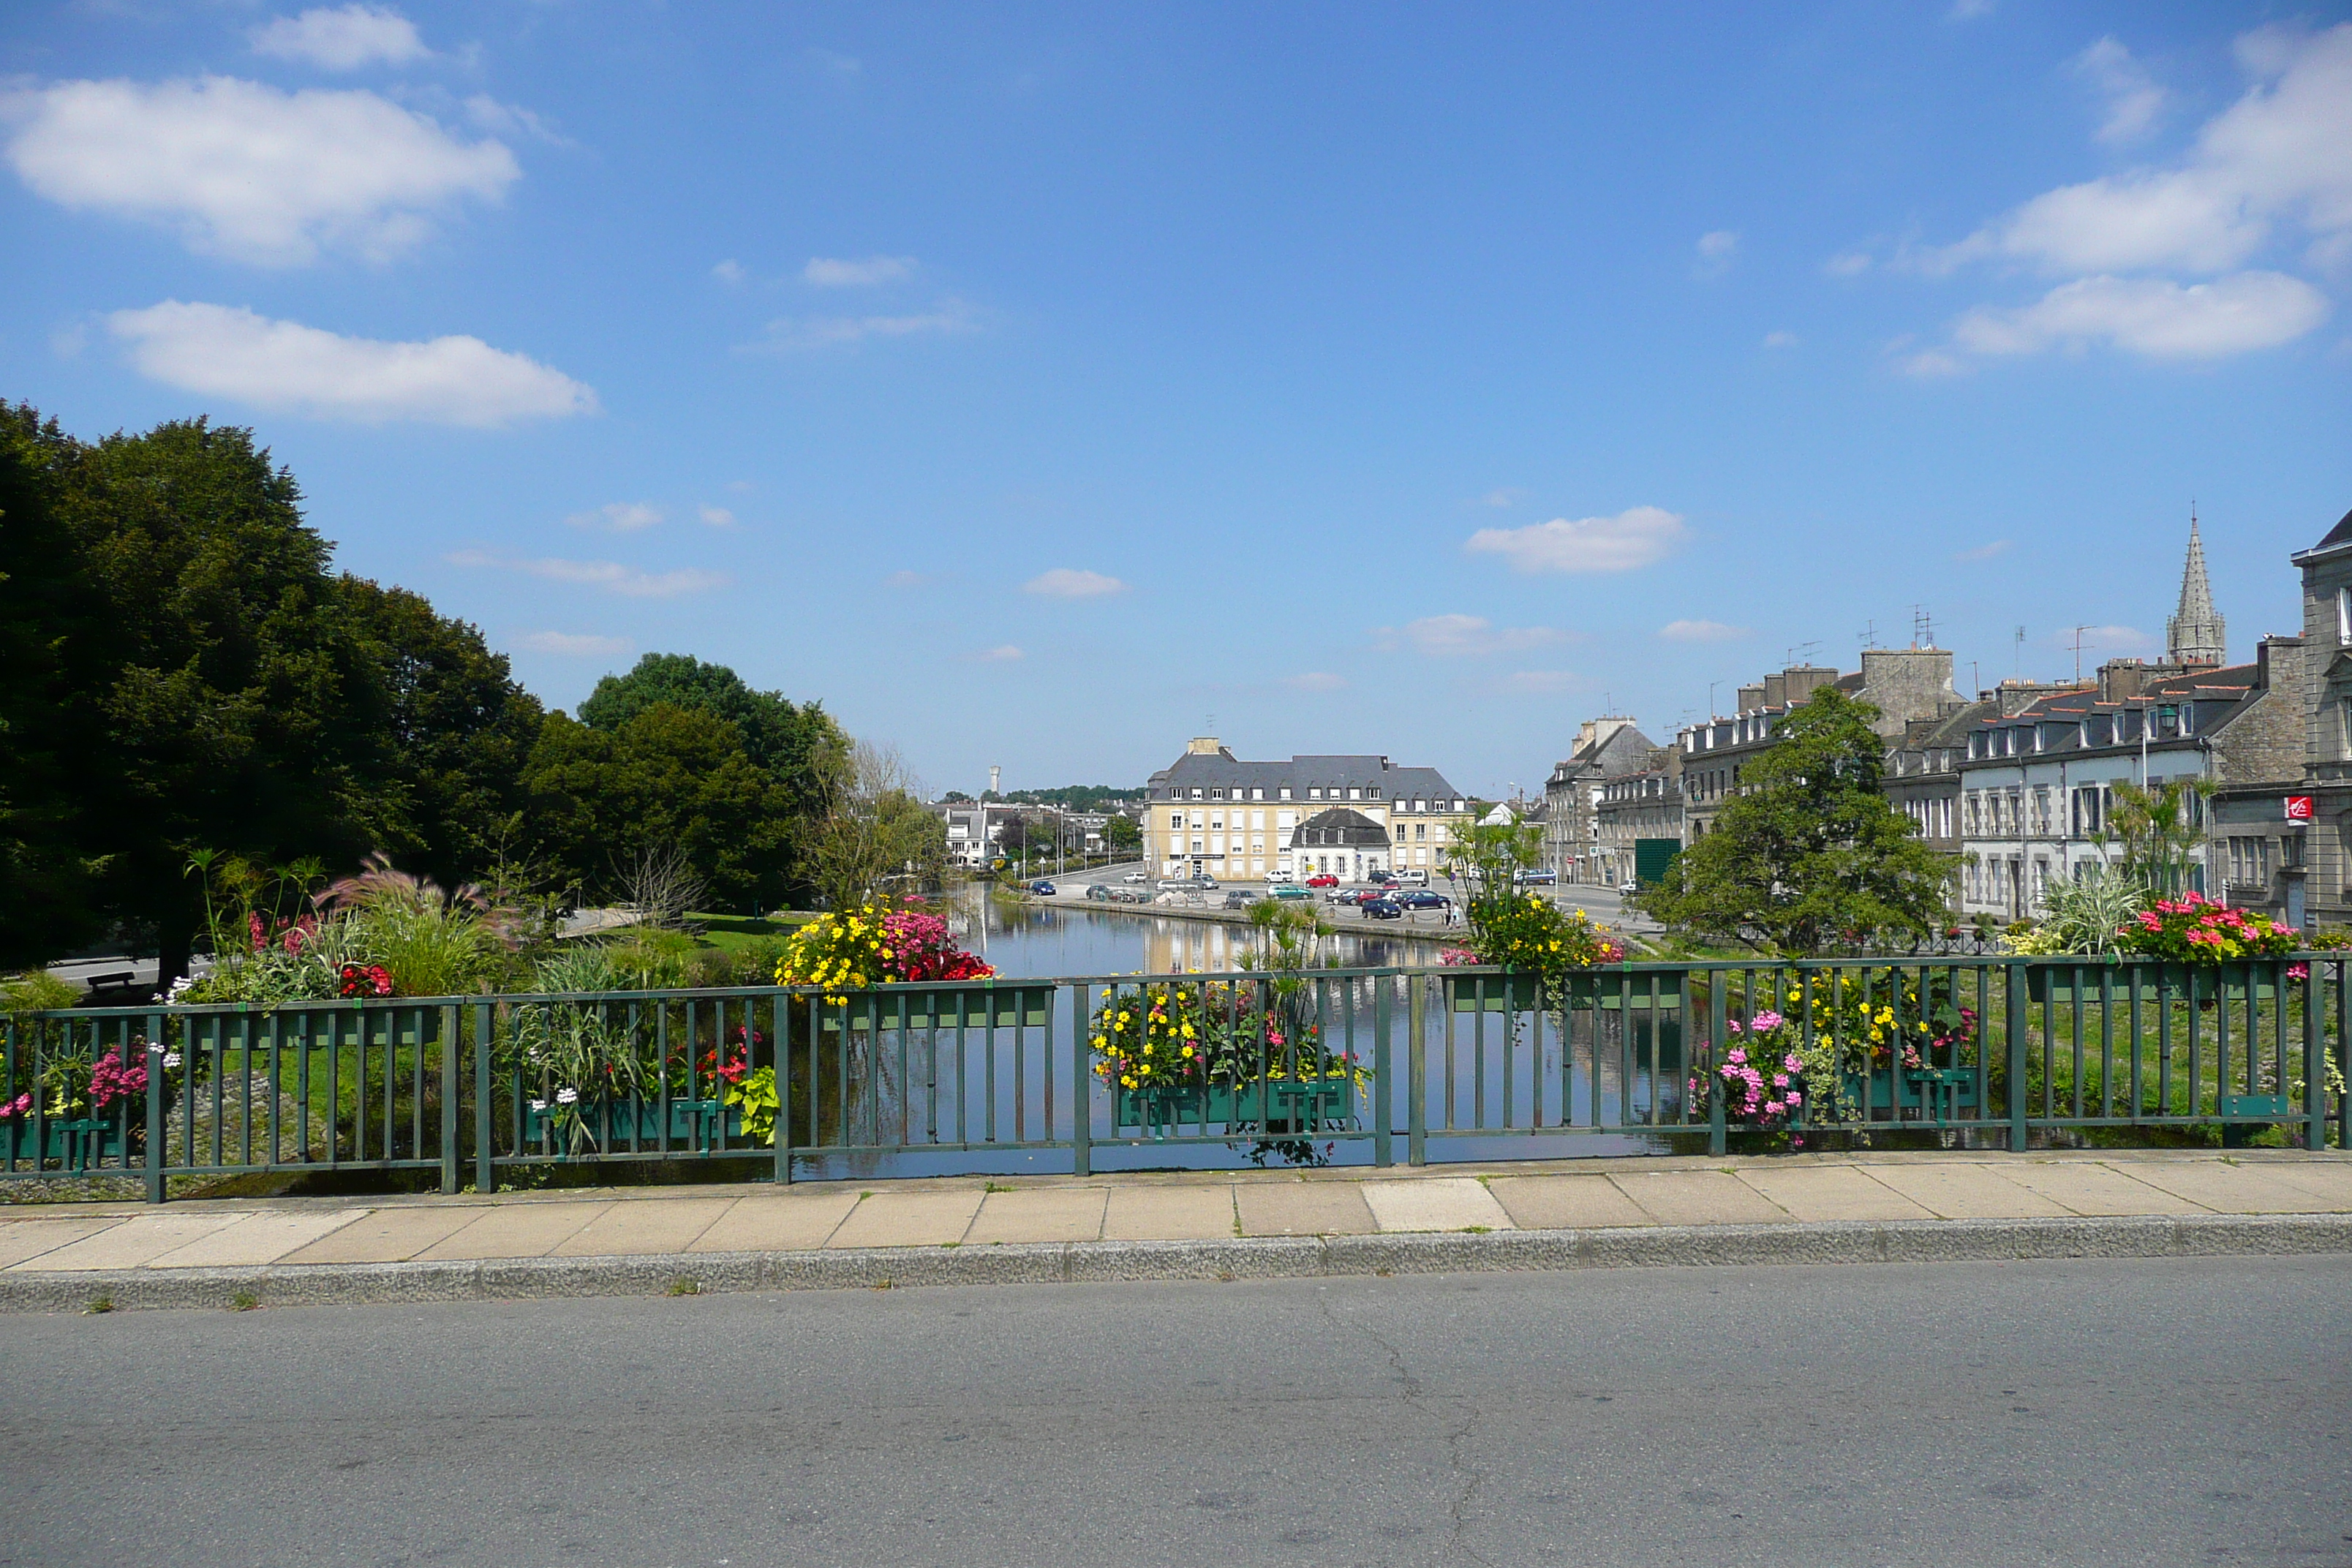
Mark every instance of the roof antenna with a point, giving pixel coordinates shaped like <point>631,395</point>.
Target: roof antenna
<point>1923,627</point>
<point>2078,654</point>
<point>1869,635</point>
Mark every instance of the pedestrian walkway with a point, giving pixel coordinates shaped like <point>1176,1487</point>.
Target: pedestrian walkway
<point>684,1224</point>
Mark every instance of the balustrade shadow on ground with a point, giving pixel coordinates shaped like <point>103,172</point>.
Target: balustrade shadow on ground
<point>1306,1068</point>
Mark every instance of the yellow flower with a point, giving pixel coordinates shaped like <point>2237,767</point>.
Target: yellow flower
<point>1188,1053</point>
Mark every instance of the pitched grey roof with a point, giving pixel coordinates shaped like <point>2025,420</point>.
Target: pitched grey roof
<point>1339,828</point>
<point>1377,776</point>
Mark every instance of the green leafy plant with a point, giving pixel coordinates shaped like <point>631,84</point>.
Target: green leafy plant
<point>754,1094</point>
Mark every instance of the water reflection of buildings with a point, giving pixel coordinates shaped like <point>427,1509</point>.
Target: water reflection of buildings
<point>1177,947</point>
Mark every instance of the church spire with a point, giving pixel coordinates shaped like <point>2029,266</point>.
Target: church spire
<point>2196,634</point>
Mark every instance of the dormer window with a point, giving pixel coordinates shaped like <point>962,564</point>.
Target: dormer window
<point>2344,616</point>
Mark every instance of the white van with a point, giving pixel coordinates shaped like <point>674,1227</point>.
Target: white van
<point>1411,876</point>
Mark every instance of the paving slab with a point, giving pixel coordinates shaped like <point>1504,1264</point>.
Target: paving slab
<point>2230,1189</point>
<point>1435,1203</point>
<point>1041,1214</point>
<point>515,1230</point>
<point>2087,1187</point>
<point>1303,1208</point>
<point>2328,1179</point>
<point>907,1219</point>
<point>24,1238</point>
<point>1827,1193</point>
<point>1567,1203</point>
<point>133,1244</point>
<point>259,1238</point>
<point>778,1222</point>
<point>1968,1192</point>
<point>644,1225</point>
<point>1169,1213</point>
<point>388,1235</point>
<point>1698,1197</point>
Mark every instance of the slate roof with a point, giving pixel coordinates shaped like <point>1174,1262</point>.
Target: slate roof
<point>1338,828</point>
<point>1382,778</point>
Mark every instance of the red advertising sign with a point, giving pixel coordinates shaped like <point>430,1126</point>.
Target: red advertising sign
<point>2298,808</point>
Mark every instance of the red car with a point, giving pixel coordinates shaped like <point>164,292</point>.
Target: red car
<point>1325,880</point>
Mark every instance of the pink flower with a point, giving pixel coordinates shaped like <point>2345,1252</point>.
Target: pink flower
<point>1793,1062</point>
<point>1737,1057</point>
<point>1780,1080</point>
<point>1796,1099</point>
<point>1766,1021</point>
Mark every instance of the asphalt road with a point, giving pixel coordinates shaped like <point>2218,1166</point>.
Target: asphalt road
<point>2189,1411</point>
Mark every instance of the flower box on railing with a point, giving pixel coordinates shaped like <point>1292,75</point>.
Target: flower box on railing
<point>1579,988</point>
<point>312,1026</point>
<point>2079,979</point>
<point>1295,1105</point>
<point>694,1124</point>
<point>79,1141</point>
<point>981,1007</point>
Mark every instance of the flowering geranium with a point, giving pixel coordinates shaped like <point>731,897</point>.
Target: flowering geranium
<point>2194,929</point>
<point>869,946</point>
<point>1763,1078</point>
<point>112,1079</point>
<point>1186,1037</point>
<point>362,980</point>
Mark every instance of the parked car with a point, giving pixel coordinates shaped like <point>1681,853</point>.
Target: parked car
<point>1382,878</point>
<point>1412,876</point>
<point>1381,909</point>
<point>1237,899</point>
<point>1286,891</point>
<point>1325,880</point>
<point>1177,885</point>
<point>1628,887</point>
<point>1422,898</point>
<point>1137,877</point>
<point>1042,889</point>
<point>1537,879</point>
<point>1203,879</point>
<point>1100,892</point>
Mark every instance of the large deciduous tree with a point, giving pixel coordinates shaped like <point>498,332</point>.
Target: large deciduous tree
<point>1809,855</point>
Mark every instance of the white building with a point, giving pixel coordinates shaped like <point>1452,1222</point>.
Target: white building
<point>1209,812</point>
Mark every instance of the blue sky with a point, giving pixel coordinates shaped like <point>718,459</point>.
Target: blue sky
<point>1032,384</point>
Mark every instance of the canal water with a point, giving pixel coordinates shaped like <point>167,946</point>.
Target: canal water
<point>943,1100</point>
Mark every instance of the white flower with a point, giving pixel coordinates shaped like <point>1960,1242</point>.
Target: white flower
<point>170,1058</point>
<point>567,1097</point>
<point>537,1105</point>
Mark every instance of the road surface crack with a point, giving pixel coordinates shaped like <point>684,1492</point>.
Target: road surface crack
<point>1457,1439</point>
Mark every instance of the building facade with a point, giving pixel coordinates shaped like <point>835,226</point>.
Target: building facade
<point>1637,808</point>
<point>2325,688</point>
<point>1210,813</point>
<point>1609,747</point>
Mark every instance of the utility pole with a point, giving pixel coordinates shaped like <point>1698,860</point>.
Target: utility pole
<point>2078,654</point>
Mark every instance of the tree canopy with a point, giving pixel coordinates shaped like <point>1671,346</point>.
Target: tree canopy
<point>1809,855</point>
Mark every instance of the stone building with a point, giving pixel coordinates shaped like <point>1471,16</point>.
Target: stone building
<point>1609,747</point>
<point>1908,686</point>
<point>1209,812</point>
<point>1341,842</point>
<point>2324,681</point>
<point>1637,808</point>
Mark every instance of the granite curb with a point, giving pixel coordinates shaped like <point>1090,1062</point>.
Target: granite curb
<point>1239,1258</point>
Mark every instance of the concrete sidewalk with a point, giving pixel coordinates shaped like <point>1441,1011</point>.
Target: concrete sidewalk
<point>1205,1224</point>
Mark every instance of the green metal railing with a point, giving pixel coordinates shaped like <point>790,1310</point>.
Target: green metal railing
<point>1460,1063</point>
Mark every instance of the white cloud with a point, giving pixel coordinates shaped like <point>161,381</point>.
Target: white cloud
<point>1715,252</point>
<point>904,578</point>
<point>341,41</point>
<point>1968,10</point>
<point>1985,551</point>
<point>1635,537</point>
<point>2282,153</point>
<point>784,334</point>
<point>575,644</point>
<point>1315,680</point>
<point>1509,495</point>
<point>1002,654</point>
<point>1782,339</point>
<point>1537,682</point>
<point>1930,364</point>
<point>1066,583</point>
<point>219,352</point>
<point>2134,101</point>
<point>246,171</point>
<point>1700,631</point>
<point>2152,316</point>
<point>716,516</point>
<point>618,517</point>
<point>630,580</point>
<point>487,113</point>
<point>1459,636</point>
<point>827,272</point>
<point>2107,639</point>
<point>729,271</point>
<point>1847,263</point>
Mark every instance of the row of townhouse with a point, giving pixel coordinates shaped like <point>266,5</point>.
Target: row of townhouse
<point>1210,813</point>
<point>2020,781</point>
